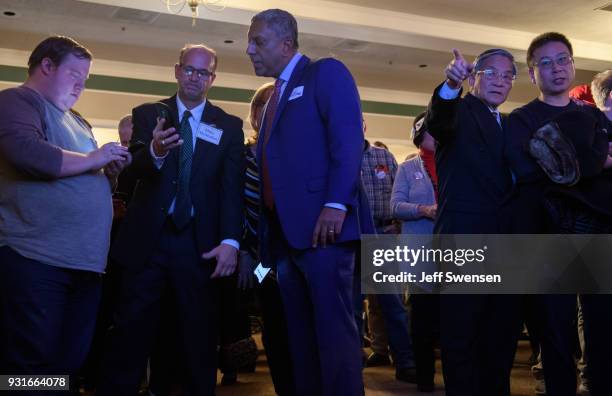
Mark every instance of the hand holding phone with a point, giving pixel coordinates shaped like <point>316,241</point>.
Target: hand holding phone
<point>165,137</point>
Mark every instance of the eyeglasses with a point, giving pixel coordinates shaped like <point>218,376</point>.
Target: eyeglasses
<point>189,71</point>
<point>492,74</point>
<point>547,63</point>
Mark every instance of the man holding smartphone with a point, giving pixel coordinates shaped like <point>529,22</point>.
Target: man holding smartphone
<point>181,229</point>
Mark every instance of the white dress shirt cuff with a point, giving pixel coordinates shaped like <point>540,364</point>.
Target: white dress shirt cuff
<point>157,161</point>
<point>231,242</point>
<point>335,206</point>
<point>447,92</point>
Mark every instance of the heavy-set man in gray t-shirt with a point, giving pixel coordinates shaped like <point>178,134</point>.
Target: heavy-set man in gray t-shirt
<point>55,214</point>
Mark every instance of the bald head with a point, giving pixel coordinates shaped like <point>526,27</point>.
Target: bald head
<point>199,47</point>
<point>125,130</point>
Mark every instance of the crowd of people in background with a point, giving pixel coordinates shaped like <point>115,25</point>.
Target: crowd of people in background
<point>131,262</point>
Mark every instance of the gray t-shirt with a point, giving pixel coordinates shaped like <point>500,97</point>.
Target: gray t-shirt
<point>64,222</point>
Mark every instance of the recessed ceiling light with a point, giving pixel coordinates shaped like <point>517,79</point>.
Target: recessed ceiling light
<point>229,41</point>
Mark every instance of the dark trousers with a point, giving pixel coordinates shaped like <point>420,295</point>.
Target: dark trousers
<point>478,337</point>
<point>597,314</point>
<point>316,288</point>
<point>167,362</point>
<point>557,333</point>
<point>425,332</point>
<point>397,325</point>
<point>275,337</point>
<point>47,316</point>
<point>358,297</point>
<point>111,287</point>
<point>176,270</point>
<point>234,323</point>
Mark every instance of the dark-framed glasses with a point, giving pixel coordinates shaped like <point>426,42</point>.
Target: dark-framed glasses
<point>189,71</point>
<point>547,63</point>
<point>492,74</point>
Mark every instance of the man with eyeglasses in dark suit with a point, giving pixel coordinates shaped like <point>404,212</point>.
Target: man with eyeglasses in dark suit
<point>180,231</point>
<point>478,333</point>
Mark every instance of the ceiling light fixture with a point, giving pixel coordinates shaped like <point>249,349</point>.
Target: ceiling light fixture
<point>176,6</point>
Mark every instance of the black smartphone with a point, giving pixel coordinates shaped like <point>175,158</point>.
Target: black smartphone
<point>163,111</point>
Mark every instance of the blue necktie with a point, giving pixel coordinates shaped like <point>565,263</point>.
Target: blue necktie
<point>182,207</point>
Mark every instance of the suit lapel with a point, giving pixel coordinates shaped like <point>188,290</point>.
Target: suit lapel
<point>209,116</point>
<point>295,78</point>
<point>490,131</point>
<point>171,103</point>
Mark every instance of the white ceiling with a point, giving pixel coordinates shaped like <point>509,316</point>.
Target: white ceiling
<point>579,19</point>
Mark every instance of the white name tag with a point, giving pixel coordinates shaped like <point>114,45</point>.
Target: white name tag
<point>209,133</point>
<point>297,92</point>
<point>261,272</point>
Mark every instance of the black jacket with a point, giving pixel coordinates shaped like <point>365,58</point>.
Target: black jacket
<point>473,179</point>
<point>216,185</point>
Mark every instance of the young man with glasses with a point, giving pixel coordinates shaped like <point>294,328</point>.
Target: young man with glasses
<point>478,333</point>
<point>551,68</point>
<point>180,231</point>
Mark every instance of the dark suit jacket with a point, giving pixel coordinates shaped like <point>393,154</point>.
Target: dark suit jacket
<point>216,185</point>
<point>473,178</point>
<point>314,150</point>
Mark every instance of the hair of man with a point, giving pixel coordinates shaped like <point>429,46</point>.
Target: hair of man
<point>56,48</point>
<point>544,39</point>
<point>282,22</point>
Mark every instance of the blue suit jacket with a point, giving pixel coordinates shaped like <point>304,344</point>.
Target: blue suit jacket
<point>314,152</point>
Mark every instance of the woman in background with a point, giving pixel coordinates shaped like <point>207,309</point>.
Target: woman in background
<point>414,202</point>
<point>274,329</point>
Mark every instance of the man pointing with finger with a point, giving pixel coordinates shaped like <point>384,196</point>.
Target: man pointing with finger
<point>180,230</point>
<point>478,333</point>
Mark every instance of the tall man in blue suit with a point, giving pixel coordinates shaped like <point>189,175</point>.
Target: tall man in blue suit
<point>309,153</point>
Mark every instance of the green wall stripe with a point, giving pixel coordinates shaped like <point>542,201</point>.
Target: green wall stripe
<point>391,108</point>
<point>12,73</point>
<point>161,88</point>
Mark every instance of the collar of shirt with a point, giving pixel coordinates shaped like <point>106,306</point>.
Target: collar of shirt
<point>495,114</point>
<point>196,112</point>
<point>194,121</point>
<point>288,71</point>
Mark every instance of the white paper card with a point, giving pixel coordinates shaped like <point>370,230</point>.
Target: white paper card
<point>209,133</point>
<point>297,92</point>
<point>261,272</point>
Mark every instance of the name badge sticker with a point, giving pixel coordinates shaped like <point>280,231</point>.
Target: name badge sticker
<point>209,133</point>
<point>297,92</point>
<point>261,272</point>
